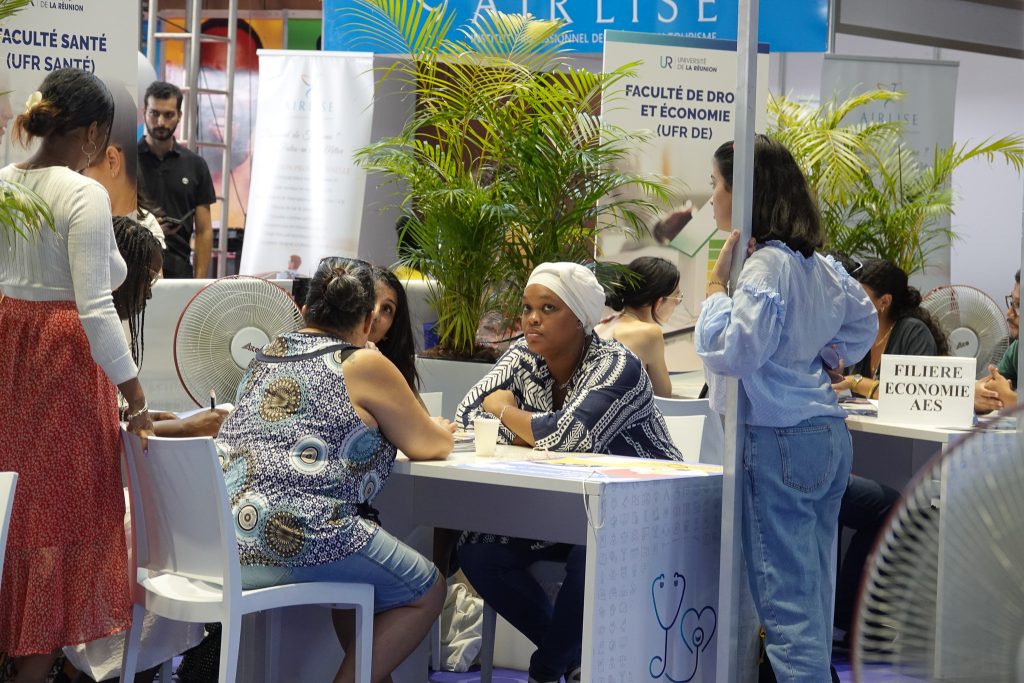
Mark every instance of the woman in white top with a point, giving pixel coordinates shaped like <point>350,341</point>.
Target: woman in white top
<point>64,350</point>
<point>646,297</point>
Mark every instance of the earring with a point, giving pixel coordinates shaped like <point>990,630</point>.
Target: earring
<point>89,155</point>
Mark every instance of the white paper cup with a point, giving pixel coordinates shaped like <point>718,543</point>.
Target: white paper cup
<point>485,435</point>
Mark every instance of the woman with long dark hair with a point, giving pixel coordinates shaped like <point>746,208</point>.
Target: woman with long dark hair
<point>64,578</point>
<point>904,327</point>
<point>645,296</point>
<point>790,303</point>
<point>391,331</point>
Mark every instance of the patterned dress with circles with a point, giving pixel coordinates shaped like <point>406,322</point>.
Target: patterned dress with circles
<point>297,459</point>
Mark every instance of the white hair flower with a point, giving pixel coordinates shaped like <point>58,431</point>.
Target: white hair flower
<point>33,99</point>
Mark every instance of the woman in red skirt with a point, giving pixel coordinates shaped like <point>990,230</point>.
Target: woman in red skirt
<point>65,579</point>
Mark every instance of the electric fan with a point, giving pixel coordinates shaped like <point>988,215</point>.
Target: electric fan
<point>221,329</point>
<point>973,323</point>
<point>943,598</point>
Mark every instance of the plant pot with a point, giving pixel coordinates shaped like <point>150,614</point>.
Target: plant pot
<point>454,378</point>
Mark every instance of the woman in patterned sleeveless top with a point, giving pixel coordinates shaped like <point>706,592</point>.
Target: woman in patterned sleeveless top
<point>311,442</point>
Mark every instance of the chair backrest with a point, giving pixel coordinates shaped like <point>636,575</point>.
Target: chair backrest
<point>8,482</point>
<point>687,433</point>
<point>181,520</point>
<point>433,400</point>
<point>713,441</point>
<point>683,406</point>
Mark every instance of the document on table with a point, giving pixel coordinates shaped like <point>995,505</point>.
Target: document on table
<point>577,466</point>
<point>189,413</point>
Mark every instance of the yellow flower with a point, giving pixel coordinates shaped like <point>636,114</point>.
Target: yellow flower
<point>33,99</point>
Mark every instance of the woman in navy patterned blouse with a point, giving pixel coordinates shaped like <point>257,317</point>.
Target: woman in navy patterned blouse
<point>312,441</point>
<point>561,388</point>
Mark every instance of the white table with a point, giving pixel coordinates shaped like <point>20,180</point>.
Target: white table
<point>893,453</point>
<point>636,526</point>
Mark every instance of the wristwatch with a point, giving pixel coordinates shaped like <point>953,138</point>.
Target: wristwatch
<point>856,381</point>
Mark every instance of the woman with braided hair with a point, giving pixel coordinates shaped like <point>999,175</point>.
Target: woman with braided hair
<point>141,252</point>
<point>144,258</point>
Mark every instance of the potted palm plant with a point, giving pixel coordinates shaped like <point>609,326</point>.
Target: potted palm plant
<point>876,197</point>
<point>21,210</point>
<point>504,164</point>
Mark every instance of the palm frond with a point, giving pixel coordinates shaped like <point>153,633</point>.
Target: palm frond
<point>876,197</point>
<point>22,211</point>
<point>8,8</point>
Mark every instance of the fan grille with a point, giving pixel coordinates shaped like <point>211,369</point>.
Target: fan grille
<point>238,311</point>
<point>944,597</point>
<point>972,322</point>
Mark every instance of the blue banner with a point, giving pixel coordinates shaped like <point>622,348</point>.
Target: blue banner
<point>785,25</point>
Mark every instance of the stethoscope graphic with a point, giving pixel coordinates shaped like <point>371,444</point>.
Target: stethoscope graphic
<point>699,636</point>
<point>659,583</point>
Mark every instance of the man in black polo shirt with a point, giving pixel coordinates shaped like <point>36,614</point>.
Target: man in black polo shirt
<point>178,182</point>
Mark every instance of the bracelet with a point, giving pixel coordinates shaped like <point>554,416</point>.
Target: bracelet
<point>130,417</point>
<point>501,415</point>
<point>719,283</point>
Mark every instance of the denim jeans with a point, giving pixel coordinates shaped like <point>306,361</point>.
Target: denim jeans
<point>795,478</point>
<point>865,507</point>
<point>400,576</point>
<point>498,571</point>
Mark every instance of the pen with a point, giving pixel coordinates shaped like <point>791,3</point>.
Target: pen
<point>213,399</point>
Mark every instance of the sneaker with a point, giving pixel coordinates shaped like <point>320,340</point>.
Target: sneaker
<point>574,676</point>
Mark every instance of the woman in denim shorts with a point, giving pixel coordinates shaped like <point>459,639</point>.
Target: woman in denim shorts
<point>311,442</point>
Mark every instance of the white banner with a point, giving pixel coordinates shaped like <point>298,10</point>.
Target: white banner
<point>99,36</point>
<point>306,196</point>
<point>684,93</point>
<point>926,110</point>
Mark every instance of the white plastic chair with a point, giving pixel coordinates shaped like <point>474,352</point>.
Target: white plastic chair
<point>687,432</point>
<point>186,556</point>
<point>8,482</point>
<point>713,438</point>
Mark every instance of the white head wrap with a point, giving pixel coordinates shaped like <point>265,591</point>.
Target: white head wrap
<point>576,286</point>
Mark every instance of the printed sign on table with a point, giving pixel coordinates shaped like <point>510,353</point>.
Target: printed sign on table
<point>927,390</point>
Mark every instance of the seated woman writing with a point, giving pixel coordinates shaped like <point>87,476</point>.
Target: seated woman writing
<point>311,441</point>
<point>904,327</point>
<point>561,388</point>
<point>646,298</point>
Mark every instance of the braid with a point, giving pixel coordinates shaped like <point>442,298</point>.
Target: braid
<point>138,247</point>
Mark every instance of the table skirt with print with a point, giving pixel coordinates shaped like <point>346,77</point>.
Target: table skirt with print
<point>65,577</point>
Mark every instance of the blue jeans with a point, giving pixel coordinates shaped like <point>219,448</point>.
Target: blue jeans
<point>795,478</point>
<point>498,571</point>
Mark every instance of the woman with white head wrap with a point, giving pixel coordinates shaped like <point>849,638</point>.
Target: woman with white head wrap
<point>560,388</point>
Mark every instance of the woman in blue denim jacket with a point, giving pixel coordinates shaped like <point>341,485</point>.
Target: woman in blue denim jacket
<point>790,304</point>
